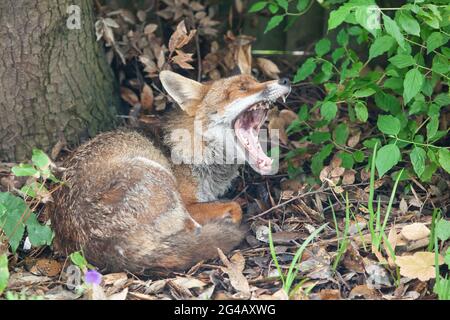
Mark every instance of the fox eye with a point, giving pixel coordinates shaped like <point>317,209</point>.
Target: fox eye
<point>243,88</point>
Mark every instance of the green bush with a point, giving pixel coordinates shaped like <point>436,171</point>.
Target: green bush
<point>386,66</point>
<point>16,216</point>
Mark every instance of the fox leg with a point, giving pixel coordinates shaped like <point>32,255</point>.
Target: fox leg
<point>203,212</point>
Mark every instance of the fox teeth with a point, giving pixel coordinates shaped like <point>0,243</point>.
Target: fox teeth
<point>284,98</point>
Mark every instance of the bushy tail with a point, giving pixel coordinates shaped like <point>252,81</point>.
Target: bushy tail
<point>187,248</point>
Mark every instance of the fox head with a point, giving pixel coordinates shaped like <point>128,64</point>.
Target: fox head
<point>230,109</point>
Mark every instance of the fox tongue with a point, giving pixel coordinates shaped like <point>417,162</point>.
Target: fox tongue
<point>249,139</point>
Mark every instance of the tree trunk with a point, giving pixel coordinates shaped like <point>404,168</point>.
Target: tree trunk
<point>53,79</point>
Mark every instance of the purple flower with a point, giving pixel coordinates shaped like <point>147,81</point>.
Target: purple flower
<point>92,277</point>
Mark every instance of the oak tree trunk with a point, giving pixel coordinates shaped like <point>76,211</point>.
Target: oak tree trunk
<point>53,79</point>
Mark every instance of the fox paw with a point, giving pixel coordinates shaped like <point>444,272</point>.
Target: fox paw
<point>234,212</point>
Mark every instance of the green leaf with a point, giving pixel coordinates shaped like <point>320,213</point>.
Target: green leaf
<point>387,102</point>
<point>408,23</point>
<point>412,84</point>
<point>25,170</point>
<point>337,54</point>
<point>305,70</point>
<point>363,93</point>
<point>78,260</point>
<point>388,124</point>
<point>258,6</point>
<point>342,38</point>
<point>273,8</point>
<point>358,155</point>
<point>393,83</point>
<point>432,127</point>
<point>302,5</point>
<point>318,159</point>
<point>347,160</point>
<point>273,22</point>
<point>368,17</point>
<point>402,60</point>
<point>337,17</point>
<point>328,110</point>
<point>361,111</point>
<point>4,272</point>
<point>444,159</point>
<point>319,137</point>
<point>393,29</point>
<point>341,134</point>
<point>418,156</point>
<point>303,113</point>
<point>442,99</point>
<point>387,157</point>
<point>442,230</point>
<point>40,159</point>
<point>380,46</point>
<point>322,47</point>
<point>11,221</point>
<point>283,3</point>
<point>440,64</point>
<point>435,40</point>
<point>38,234</point>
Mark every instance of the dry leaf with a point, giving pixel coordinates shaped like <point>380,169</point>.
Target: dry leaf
<point>269,68</point>
<point>278,123</point>
<point>349,177</point>
<point>46,267</point>
<point>147,97</point>
<point>182,59</point>
<point>415,231</point>
<point>353,141</point>
<point>129,96</point>
<point>188,282</point>
<point>330,294</point>
<point>337,172</point>
<point>180,37</point>
<point>150,28</point>
<point>234,270</point>
<point>418,266</point>
<point>403,206</point>
<point>364,291</point>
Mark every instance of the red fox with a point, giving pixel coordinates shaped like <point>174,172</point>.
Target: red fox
<point>131,206</point>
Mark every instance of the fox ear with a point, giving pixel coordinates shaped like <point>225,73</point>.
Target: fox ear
<point>183,90</point>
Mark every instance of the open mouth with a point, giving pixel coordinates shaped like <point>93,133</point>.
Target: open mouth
<point>247,126</point>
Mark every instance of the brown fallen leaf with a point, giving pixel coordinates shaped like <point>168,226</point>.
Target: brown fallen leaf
<point>234,270</point>
<point>147,97</point>
<point>349,177</point>
<point>129,96</point>
<point>180,37</point>
<point>420,265</point>
<point>415,231</point>
<point>182,59</point>
<point>46,267</point>
<point>269,68</point>
<point>352,260</point>
<point>330,294</point>
<point>364,291</point>
<point>353,141</point>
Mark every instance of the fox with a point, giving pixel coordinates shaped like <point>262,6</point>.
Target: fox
<point>131,205</point>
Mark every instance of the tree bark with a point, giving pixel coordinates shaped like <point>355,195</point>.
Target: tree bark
<point>53,79</point>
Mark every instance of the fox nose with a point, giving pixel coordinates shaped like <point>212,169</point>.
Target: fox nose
<point>284,82</point>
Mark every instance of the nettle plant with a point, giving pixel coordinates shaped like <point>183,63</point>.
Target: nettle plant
<point>389,66</point>
<point>16,212</point>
